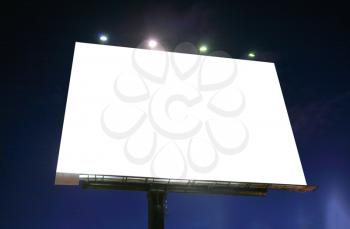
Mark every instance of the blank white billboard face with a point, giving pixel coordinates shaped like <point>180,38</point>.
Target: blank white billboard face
<point>149,113</point>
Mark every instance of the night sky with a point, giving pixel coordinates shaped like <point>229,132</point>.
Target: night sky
<point>309,44</point>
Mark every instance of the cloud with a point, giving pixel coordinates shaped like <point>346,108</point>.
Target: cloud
<point>321,116</point>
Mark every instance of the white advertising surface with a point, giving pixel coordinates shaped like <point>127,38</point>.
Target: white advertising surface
<point>150,113</point>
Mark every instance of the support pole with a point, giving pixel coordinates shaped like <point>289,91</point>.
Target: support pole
<point>156,209</point>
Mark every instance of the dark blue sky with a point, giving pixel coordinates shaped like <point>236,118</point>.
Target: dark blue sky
<point>308,42</point>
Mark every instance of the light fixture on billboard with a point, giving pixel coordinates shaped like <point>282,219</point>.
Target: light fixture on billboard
<point>103,38</point>
<point>251,55</point>
<point>203,49</point>
<point>152,43</point>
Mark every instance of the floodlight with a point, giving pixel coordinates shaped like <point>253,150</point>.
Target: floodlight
<point>152,43</point>
<point>203,49</point>
<point>251,54</point>
<point>103,38</point>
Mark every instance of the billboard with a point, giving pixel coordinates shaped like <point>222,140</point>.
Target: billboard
<point>151,113</point>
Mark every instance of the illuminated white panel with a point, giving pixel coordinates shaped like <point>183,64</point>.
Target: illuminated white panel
<point>150,113</point>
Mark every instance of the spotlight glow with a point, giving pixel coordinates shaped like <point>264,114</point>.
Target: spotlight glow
<point>251,54</point>
<point>103,38</point>
<point>203,49</point>
<point>152,43</point>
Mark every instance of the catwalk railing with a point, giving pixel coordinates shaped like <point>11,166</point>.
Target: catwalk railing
<point>186,186</point>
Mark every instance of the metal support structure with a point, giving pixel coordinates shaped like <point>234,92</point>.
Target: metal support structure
<point>186,186</point>
<point>156,209</point>
<point>157,189</point>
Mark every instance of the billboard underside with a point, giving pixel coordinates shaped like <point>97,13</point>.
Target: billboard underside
<point>176,185</point>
